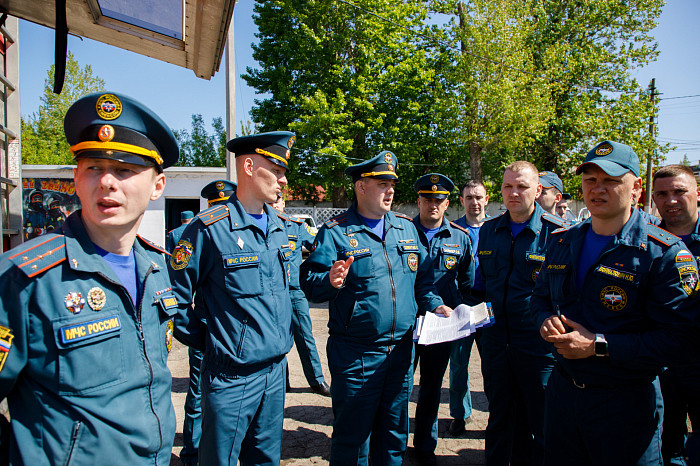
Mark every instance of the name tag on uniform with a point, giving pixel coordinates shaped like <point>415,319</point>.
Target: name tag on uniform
<point>556,267</point>
<point>242,260</point>
<point>451,250</point>
<point>356,253</point>
<point>292,237</point>
<point>409,248</point>
<point>288,253</point>
<point>168,302</point>
<point>533,257</point>
<point>85,330</point>
<point>485,253</point>
<point>619,274</point>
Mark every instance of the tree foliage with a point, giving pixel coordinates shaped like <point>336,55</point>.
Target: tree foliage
<point>43,138</point>
<point>199,148</point>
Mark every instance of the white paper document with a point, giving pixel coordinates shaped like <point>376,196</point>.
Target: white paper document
<point>464,320</point>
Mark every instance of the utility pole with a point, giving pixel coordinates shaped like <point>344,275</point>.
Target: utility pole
<point>650,157</point>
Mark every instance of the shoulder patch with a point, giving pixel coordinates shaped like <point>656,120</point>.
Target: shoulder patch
<point>153,245</point>
<point>337,220</point>
<point>457,227</point>
<point>555,220</point>
<point>37,257</point>
<point>213,215</point>
<point>661,235</point>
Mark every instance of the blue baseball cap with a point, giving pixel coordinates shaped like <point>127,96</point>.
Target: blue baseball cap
<point>110,125</point>
<point>434,185</point>
<point>382,166</point>
<point>551,180</point>
<point>613,158</point>
<point>274,146</point>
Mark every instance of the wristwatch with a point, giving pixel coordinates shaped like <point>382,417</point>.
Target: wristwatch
<point>600,347</point>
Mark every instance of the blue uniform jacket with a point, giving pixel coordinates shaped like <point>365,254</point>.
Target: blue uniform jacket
<point>637,294</point>
<point>174,236</point>
<point>241,277</point>
<point>509,267</point>
<point>386,284</point>
<point>453,263</point>
<point>85,376</point>
<point>299,235</point>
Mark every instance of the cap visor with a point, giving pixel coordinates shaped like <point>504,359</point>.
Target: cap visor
<point>611,168</point>
<point>118,156</point>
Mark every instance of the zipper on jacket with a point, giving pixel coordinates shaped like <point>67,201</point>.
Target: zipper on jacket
<point>505,292</point>
<point>73,441</point>
<point>393,291</point>
<point>150,367</point>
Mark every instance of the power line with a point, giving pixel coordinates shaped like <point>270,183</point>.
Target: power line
<point>677,97</point>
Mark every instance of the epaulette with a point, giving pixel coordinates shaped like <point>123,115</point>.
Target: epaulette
<point>337,220</point>
<point>289,218</point>
<point>40,256</point>
<point>560,222</point>
<point>213,214</point>
<point>460,228</point>
<point>403,216</point>
<point>153,245</point>
<point>661,235</point>
<point>560,230</point>
<point>489,219</point>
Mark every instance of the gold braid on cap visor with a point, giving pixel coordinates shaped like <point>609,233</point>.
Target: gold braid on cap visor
<point>270,154</point>
<point>117,146</point>
<point>427,191</point>
<point>364,175</point>
<point>218,199</point>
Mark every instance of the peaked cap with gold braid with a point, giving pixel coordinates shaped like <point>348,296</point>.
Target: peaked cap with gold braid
<point>114,126</point>
<point>274,146</point>
<point>434,185</point>
<point>382,166</point>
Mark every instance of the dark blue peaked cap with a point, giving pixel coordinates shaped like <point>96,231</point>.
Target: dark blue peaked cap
<point>114,126</point>
<point>382,166</point>
<point>434,185</point>
<point>218,191</point>
<point>274,146</point>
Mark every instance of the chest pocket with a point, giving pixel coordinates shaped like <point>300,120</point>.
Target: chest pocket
<point>90,352</point>
<point>409,254</point>
<point>618,290</point>
<point>448,259</point>
<point>362,267</point>
<point>488,264</point>
<point>285,254</point>
<point>242,273</point>
<point>167,308</point>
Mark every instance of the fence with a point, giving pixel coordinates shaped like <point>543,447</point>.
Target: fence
<point>319,214</point>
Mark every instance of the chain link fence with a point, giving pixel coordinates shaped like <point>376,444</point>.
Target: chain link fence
<point>319,214</point>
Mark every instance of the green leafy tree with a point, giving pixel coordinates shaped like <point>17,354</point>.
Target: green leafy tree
<point>349,83</point>
<point>43,139</point>
<point>199,148</point>
<point>589,51</point>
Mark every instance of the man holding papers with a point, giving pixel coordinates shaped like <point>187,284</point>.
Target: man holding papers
<point>450,249</point>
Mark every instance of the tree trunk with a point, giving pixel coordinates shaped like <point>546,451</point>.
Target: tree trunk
<point>475,160</point>
<point>340,197</point>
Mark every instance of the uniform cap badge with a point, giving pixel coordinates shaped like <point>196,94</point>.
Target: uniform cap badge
<point>604,149</point>
<point>108,107</point>
<point>96,298</point>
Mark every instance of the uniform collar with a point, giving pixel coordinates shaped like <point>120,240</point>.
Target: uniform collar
<point>534,224</point>
<point>694,235</point>
<point>633,233</point>
<point>82,255</point>
<point>445,228</point>
<point>354,222</point>
<point>240,218</point>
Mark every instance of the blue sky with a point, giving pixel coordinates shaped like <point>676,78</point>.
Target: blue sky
<point>175,93</point>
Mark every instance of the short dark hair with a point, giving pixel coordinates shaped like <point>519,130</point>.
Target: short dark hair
<point>472,184</point>
<point>669,171</point>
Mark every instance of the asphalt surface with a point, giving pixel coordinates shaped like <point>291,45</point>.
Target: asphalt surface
<point>309,418</point>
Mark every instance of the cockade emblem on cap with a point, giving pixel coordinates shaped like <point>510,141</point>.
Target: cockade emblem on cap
<point>390,167</point>
<point>434,179</point>
<point>541,173</point>
<point>106,133</point>
<point>604,149</point>
<point>74,302</point>
<point>387,157</point>
<point>433,188</point>
<point>108,107</point>
<point>96,298</point>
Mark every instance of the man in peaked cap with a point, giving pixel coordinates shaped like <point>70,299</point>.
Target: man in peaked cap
<point>370,265</point>
<point>450,249</point>
<point>90,383</point>
<point>173,237</point>
<point>218,191</point>
<point>615,298</point>
<point>236,257</point>
<point>552,191</point>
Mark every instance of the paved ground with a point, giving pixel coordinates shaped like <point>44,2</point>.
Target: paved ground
<point>308,417</point>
